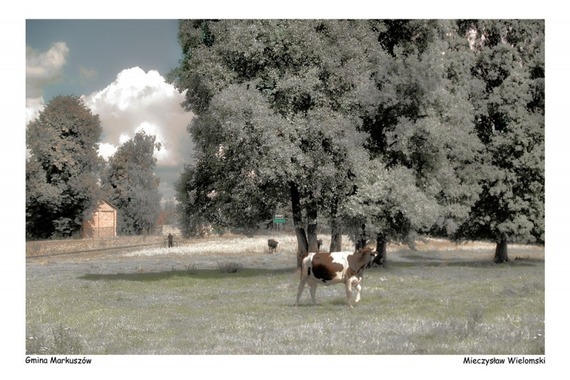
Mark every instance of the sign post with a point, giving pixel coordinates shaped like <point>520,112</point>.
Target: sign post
<point>278,220</point>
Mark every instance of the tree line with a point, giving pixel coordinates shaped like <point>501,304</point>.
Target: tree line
<point>382,129</point>
<point>66,178</point>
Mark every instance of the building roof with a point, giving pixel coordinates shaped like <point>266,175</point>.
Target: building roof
<point>107,203</point>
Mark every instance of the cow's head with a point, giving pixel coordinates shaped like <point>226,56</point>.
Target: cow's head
<point>366,252</point>
<point>360,259</point>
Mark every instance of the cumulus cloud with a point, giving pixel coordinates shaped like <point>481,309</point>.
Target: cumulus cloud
<point>139,100</point>
<point>42,68</point>
<point>33,108</point>
<point>106,150</point>
<point>135,101</point>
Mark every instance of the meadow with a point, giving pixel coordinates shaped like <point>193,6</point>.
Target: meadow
<point>227,295</point>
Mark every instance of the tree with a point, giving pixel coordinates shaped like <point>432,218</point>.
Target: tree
<point>130,184</point>
<point>168,212</point>
<point>421,135</point>
<point>61,169</point>
<point>510,122</point>
<point>389,206</point>
<point>273,100</point>
<point>317,113</point>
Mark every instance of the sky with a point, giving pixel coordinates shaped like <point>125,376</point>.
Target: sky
<point>118,68</point>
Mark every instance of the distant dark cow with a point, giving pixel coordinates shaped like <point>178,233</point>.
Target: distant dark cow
<point>272,244</point>
<point>334,268</point>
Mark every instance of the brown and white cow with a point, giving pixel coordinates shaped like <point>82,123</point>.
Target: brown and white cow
<point>333,268</point>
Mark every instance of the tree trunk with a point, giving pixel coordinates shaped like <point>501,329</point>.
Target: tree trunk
<point>336,230</point>
<point>380,258</point>
<point>336,238</point>
<point>302,243</point>
<point>312,227</point>
<point>362,238</point>
<point>501,254</point>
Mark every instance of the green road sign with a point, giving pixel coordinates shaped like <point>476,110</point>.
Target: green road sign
<point>279,219</point>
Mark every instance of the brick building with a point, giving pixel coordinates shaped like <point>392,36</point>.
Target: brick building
<point>103,223</point>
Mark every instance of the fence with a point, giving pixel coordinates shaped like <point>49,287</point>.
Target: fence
<point>68,246</point>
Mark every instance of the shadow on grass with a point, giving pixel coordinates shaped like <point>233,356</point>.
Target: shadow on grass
<point>198,274</point>
<point>320,305</point>
<point>426,261</point>
<point>209,274</point>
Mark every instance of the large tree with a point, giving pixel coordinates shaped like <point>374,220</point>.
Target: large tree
<point>273,100</point>
<point>421,135</point>
<point>61,169</point>
<point>293,111</point>
<point>510,122</point>
<point>130,184</point>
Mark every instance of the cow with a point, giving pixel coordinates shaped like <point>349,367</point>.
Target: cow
<point>272,245</point>
<point>333,268</point>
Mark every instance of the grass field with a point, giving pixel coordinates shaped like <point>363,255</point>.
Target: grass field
<point>439,299</point>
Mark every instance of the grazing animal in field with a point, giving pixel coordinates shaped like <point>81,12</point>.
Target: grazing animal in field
<point>333,268</point>
<point>272,244</point>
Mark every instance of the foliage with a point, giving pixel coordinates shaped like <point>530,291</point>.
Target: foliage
<point>131,185</point>
<point>389,201</point>
<point>421,135</point>
<point>405,126</point>
<point>272,99</point>
<point>229,267</point>
<point>510,122</point>
<point>61,169</point>
<point>168,212</point>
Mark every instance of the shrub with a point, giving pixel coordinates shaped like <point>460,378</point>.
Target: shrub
<point>230,267</point>
<point>191,268</point>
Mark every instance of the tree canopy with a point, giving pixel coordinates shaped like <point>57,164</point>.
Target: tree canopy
<point>61,169</point>
<point>421,135</point>
<point>400,126</point>
<point>130,184</point>
<point>272,99</point>
<point>509,120</point>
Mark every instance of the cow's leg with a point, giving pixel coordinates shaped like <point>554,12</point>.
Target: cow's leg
<point>301,288</point>
<point>355,281</point>
<point>313,289</point>
<point>358,290</point>
<point>348,286</point>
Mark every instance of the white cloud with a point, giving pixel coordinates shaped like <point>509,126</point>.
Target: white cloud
<point>163,155</point>
<point>136,100</point>
<point>107,150</point>
<point>123,138</point>
<point>33,108</point>
<point>42,68</point>
<point>139,100</point>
